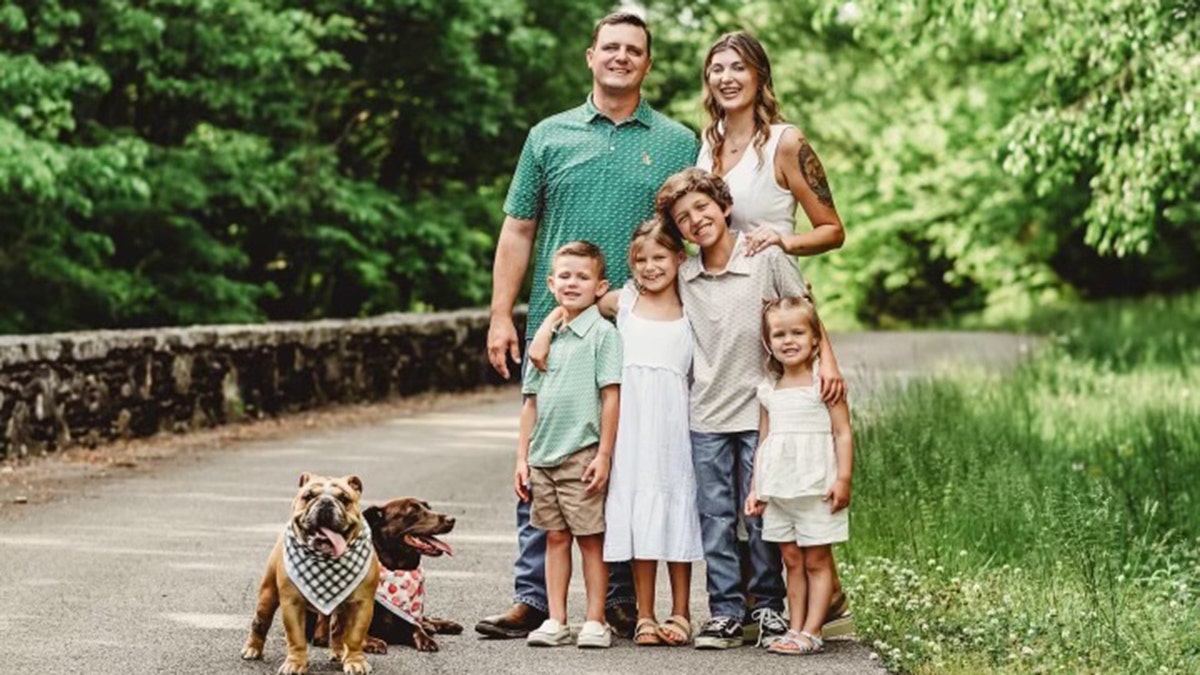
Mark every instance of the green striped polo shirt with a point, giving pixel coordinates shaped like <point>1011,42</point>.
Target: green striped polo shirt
<point>585,356</point>
<point>583,177</point>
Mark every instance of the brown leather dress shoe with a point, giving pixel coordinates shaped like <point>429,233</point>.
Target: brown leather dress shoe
<point>622,618</point>
<point>515,623</point>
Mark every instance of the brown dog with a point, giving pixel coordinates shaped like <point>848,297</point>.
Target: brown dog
<point>325,549</point>
<point>402,531</point>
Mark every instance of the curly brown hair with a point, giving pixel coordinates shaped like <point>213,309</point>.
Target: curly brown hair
<point>685,182</point>
<point>766,106</point>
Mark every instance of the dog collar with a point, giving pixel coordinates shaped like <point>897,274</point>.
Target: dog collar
<point>403,593</point>
<point>326,581</point>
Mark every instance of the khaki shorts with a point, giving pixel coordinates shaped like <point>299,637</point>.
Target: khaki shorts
<point>560,501</point>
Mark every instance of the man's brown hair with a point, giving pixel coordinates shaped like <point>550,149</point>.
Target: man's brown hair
<point>617,18</point>
<point>583,249</point>
<point>686,182</point>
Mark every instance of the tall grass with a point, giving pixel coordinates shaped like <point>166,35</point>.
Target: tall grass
<point>1047,519</point>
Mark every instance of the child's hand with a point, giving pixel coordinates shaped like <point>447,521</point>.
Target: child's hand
<point>539,347</point>
<point>521,480</point>
<point>596,473</point>
<point>838,495</point>
<point>754,507</point>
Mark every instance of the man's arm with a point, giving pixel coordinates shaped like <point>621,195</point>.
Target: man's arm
<point>513,252</point>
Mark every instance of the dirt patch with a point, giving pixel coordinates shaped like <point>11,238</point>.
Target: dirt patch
<point>27,482</point>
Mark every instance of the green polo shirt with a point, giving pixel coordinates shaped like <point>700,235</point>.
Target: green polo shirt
<point>585,356</point>
<point>583,177</point>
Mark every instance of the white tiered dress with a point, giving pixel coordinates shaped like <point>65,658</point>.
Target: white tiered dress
<point>651,509</point>
<point>797,466</point>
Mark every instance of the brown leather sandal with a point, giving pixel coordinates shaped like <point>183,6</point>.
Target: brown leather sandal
<point>675,631</point>
<point>646,633</point>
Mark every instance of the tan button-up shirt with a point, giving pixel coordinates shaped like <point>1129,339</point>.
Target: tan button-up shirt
<point>725,310</point>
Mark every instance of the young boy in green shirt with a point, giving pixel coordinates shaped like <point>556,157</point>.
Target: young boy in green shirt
<point>568,427</point>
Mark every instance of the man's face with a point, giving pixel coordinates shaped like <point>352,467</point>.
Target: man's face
<point>576,283</point>
<point>619,60</point>
<point>700,219</point>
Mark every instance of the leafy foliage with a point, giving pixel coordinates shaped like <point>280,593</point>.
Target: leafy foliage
<point>178,161</point>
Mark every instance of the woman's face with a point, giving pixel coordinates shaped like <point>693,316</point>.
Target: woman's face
<point>733,83</point>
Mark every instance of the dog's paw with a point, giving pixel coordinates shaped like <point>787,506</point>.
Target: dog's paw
<point>292,667</point>
<point>374,645</point>
<point>423,642</point>
<point>442,627</point>
<point>252,653</point>
<point>356,666</point>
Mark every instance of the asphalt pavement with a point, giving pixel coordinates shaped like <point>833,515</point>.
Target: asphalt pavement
<point>157,572</point>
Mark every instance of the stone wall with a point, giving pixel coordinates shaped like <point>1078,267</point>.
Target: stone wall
<point>86,388</point>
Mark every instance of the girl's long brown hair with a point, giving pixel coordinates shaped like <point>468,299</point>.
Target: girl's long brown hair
<point>766,106</point>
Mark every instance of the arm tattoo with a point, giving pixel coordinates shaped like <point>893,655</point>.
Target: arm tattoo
<point>814,173</point>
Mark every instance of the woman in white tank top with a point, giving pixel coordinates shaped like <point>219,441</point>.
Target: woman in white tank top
<point>768,164</point>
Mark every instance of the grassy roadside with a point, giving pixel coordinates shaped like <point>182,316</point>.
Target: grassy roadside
<point>1045,520</point>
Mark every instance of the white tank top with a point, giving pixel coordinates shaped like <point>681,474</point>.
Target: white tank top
<point>757,198</point>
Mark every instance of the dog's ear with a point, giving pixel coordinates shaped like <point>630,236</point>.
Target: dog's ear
<point>354,482</point>
<point>372,515</point>
<point>304,478</point>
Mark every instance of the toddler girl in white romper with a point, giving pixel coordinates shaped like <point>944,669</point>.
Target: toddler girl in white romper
<point>802,470</point>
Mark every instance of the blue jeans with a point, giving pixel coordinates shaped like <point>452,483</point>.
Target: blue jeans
<point>529,569</point>
<point>724,463</point>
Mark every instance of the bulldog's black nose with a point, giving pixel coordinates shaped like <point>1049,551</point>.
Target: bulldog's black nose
<point>449,519</point>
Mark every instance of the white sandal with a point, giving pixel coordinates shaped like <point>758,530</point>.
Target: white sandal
<point>796,643</point>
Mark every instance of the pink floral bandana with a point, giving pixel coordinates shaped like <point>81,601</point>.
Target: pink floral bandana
<point>403,593</point>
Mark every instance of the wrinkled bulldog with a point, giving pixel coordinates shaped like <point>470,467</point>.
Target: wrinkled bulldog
<point>323,560</point>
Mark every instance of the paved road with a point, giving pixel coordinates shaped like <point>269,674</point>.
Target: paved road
<point>157,572</point>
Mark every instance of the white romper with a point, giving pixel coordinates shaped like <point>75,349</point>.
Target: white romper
<point>651,509</point>
<point>797,466</point>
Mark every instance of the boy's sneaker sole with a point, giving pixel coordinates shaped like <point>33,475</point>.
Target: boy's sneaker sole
<point>548,640</point>
<point>708,642</point>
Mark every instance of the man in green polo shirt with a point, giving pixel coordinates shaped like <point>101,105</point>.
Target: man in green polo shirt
<point>587,173</point>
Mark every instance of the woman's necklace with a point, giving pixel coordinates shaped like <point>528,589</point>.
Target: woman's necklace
<point>733,146</point>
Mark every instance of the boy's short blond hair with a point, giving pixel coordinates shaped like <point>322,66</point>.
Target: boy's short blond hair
<point>686,182</point>
<point>582,249</point>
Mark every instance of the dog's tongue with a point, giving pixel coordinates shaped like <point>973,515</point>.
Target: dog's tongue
<point>338,541</point>
<point>441,545</point>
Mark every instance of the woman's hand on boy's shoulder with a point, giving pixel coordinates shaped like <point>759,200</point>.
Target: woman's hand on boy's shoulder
<point>761,238</point>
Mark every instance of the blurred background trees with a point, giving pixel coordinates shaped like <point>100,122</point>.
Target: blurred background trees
<point>183,161</point>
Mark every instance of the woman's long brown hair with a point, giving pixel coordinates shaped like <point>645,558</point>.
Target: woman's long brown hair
<point>766,107</point>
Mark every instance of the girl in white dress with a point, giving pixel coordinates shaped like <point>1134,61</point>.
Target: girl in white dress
<point>802,471</point>
<point>650,513</point>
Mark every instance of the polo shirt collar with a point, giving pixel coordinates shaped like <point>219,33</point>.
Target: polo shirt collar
<point>642,113</point>
<point>583,323</point>
<point>738,262</point>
